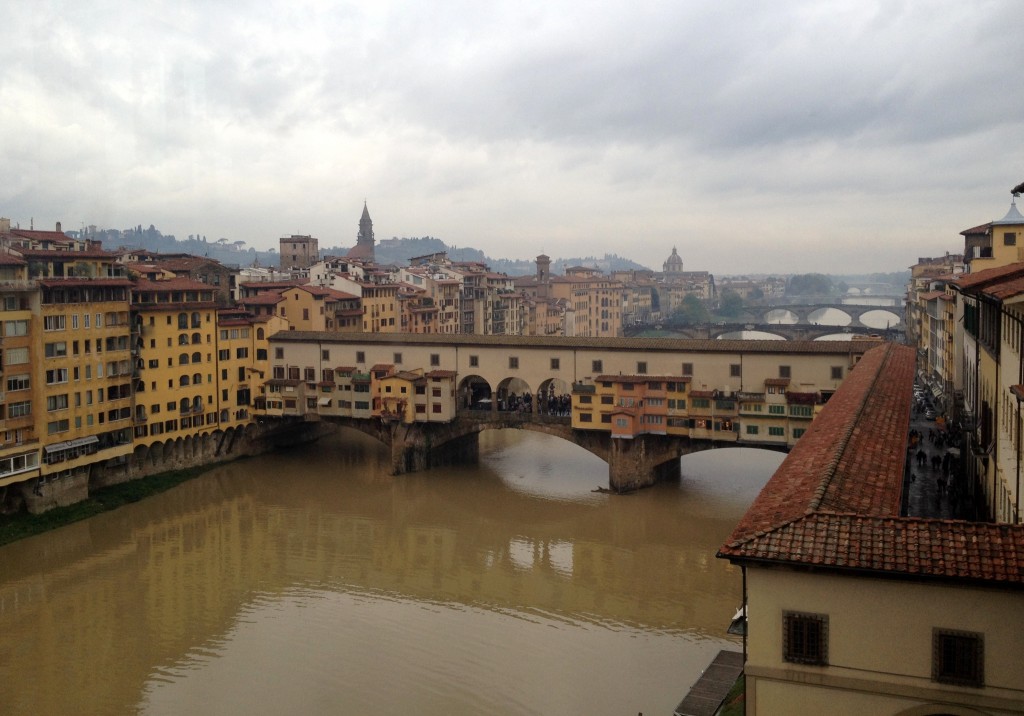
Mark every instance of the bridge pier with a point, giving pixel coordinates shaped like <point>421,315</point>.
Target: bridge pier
<point>642,461</point>
<point>422,446</point>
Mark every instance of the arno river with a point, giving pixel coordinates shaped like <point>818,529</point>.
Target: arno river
<point>312,582</point>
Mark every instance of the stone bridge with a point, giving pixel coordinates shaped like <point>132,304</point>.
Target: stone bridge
<point>632,463</point>
<point>760,314</point>
<point>789,331</point>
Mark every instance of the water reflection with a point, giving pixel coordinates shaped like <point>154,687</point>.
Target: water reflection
<point>879,319</point>
<point>312,581</point>
<point>751,336</point>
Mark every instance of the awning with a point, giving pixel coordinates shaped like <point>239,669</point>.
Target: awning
<point>323,401</point>
<point>68,444</point>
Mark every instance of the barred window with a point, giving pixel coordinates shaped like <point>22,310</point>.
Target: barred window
<point>958,657</point>
<point>805,638</point>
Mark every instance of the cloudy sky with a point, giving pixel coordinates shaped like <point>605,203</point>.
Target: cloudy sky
<point>753,136</point>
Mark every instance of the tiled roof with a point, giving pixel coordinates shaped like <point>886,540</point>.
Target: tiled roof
<point>981,278</point>
<point>1005,289</point>
<point>11,260</point>
<point>441,374</point>
<point>65,255</point>
<point>265,298</point>
<point>834,502</point>
<point>980,229</point>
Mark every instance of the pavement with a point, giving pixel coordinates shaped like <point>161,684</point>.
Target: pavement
<point>929,491</point>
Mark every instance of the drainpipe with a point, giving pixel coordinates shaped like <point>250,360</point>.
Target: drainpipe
<point>746,614</point>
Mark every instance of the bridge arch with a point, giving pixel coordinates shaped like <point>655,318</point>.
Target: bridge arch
<point>471,391</point>
<point>514,394</point>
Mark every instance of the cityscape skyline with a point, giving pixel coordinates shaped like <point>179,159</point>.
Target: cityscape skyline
<point>785,138</point>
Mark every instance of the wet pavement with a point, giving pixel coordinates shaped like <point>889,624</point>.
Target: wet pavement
<point>934,485</point>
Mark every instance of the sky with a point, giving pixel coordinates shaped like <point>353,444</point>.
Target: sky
<point>754,137</point>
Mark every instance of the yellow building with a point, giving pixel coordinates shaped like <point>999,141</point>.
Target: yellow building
<point>177,388</point>
<point>20,444</point>
<point>380,308</point>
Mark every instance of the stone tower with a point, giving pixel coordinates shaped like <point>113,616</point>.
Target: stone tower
<point>364,239</point>
<point>543,275</point>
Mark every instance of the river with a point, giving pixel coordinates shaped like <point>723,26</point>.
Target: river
<point>311,581</point>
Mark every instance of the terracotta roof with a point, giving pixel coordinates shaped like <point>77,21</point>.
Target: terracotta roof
<point>979,229</point>
<point>931,295</point>
<point>1005,289</point>
<point>56,236</point>
<point>441,374</point>
<point>265,298</point>
<point>834,502</point>
<point>65,255</point>
<point>11,260</point>
<point>981,278</point>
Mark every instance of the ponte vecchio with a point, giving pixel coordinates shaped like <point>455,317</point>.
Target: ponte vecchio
<point>639,403</point>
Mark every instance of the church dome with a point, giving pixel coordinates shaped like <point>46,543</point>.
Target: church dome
<point>674,263</point>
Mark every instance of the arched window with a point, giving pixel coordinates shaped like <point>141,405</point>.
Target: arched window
<point>197,403</point>
<point>182,339</point>
<point>182,320</point>
<point>259,334</point>
<point>183,359</point>
<point>183,405</point>
<point>197,379</point>
<point>196,339</point>
<point>224,416</point>
<point>196,320</point>
<point>197,357</point>
<point>183,381</point>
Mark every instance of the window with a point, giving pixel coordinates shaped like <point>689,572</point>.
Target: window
<point>1009,238</point>
<point>56,350</point>
<point>805,638</point>
<point>58,426</point>
<point>597,366</point>
<point>23,382</point>
<point>837,372</point>
<point>435,359</point>
<point>586,418</point>
<point>555,363</point>
<point>325,354</point>
<point>279,353</point>
<point>777,432</point>
<point>751,429</point>
<point>784,371</point>
<point>15,328</point>
<point>688,369</point>
<point>777,409</point>
<point>16,356</point>
<point>585,399</point>
<point>53,323</point>
<point>360,356</point>
<point>701,403</point>
<point>397,359</point>
<point>241,353</point>
<point>734,370</point>
<point>57,375</point>
<point>474,361</point>
<point>224,354</point>
<point>20,409</point>
<point>57,402</point>
<point>958,657</point>
<point>798,432</point>
<point>513,362</point>
<point>801,411</point>
<point>641,367</point>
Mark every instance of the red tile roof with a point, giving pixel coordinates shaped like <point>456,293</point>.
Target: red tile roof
<point>834,503</point>
<point>981,278</point>
<point>10,260</point>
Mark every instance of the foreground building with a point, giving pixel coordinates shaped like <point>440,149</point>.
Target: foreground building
<point>851,607</point>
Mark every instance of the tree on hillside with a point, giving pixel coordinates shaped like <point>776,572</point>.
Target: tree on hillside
<point>691,310</point>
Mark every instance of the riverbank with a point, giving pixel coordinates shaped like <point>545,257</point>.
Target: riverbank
<point>23,524</point>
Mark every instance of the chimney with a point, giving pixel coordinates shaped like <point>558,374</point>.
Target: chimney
<point>58,227</point>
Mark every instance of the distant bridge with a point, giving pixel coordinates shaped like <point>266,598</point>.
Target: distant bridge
<point>789,331</point>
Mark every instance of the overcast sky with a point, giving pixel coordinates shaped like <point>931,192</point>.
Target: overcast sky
<point>753,136</point>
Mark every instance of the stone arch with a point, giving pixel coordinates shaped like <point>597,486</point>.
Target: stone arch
<point>178,450</point>
<point>554,396</point>
<point>514,394</point>
<point>472,392</point>
<point>139,455</point>
<point>156,453</point>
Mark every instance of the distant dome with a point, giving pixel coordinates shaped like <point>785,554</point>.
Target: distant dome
<point>674,263</point>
